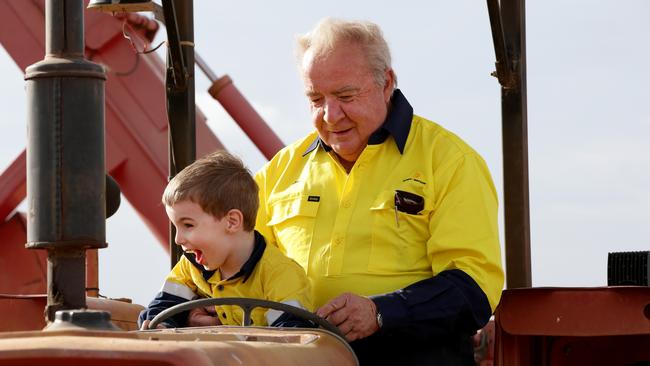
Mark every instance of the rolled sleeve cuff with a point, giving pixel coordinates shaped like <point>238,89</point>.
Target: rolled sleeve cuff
<point>392,309</point>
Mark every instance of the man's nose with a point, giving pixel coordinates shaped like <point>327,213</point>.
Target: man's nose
<point>332,111</point>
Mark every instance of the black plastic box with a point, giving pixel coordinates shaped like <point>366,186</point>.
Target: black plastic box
<point>628,269</point>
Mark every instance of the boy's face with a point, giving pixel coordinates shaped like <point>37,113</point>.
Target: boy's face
<point>201,233</point>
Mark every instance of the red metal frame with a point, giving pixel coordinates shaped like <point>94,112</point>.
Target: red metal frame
<point>573,326</point>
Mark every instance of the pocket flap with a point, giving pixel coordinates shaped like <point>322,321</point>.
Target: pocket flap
<point>385,200</point>
<point>292,205</point>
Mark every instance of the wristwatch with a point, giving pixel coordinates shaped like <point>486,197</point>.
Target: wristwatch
<point>380,320</point>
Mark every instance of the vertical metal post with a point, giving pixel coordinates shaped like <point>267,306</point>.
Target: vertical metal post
<point>65,156</point>
<point>515,149</point>
<point>92,273</point>
<point>180,95</point>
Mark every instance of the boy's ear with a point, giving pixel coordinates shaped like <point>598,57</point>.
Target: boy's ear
<point>234,220</point>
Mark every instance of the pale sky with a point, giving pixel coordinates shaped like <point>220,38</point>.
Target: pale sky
<point>588,115</point>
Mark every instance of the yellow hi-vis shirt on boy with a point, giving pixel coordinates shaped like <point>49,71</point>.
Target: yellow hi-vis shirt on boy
<point>267,275</point>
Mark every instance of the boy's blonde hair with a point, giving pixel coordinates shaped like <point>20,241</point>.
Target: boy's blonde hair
<point>218,182</point>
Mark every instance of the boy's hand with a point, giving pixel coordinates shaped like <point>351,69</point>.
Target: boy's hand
<point>145,325</point>
<point>203,317</point>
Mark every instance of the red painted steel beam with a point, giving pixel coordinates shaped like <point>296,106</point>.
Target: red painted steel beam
<point>13,186</point>
<point>22,30</point>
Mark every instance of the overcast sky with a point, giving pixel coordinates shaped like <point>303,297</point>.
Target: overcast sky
<point>588,115</point>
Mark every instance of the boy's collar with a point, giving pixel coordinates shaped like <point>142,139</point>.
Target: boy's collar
<point>258,250</point>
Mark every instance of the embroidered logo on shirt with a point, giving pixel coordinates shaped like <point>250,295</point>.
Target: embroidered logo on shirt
<point>414,179</point>
<point>313,198</point>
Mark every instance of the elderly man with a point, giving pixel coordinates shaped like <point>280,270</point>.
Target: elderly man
<point>393,218</point>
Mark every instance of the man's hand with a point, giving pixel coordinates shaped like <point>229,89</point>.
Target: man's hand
<point>203,317</point>
<point>354,315</point>
<point>145,325</point>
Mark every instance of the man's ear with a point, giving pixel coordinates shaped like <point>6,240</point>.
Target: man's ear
<point>234,220</point>
<point>389,85</point>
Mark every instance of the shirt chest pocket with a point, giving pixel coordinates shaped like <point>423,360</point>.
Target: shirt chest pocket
<point>292,219</point>
<point>399,239</point>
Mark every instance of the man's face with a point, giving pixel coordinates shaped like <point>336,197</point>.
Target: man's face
<point>347,105</point>
<point>201,233</point>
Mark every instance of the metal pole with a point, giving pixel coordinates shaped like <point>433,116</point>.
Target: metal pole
<point>515,149</point>
<point>65,156</point>
<point>503,63</point>
<point>180,96</point>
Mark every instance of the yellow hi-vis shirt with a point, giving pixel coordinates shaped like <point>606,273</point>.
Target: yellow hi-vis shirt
<point>344,229</point>
<point>267,275</point>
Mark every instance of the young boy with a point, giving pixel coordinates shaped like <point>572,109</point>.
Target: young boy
<point>213,204</point>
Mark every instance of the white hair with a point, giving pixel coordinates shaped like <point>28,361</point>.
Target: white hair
<point>329,33</point>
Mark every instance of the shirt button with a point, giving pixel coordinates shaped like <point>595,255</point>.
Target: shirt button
<point>338,241</point>
<point>346,204</point>
<point>220,287</point>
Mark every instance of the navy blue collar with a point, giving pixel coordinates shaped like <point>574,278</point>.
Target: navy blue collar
<point>397,124</point>
<point>246,269</point>
<point>316,143</point>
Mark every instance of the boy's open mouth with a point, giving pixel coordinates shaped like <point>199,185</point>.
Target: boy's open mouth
<point>198,255</point>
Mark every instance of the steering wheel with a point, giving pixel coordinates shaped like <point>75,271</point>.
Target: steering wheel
<point>247,305</point>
